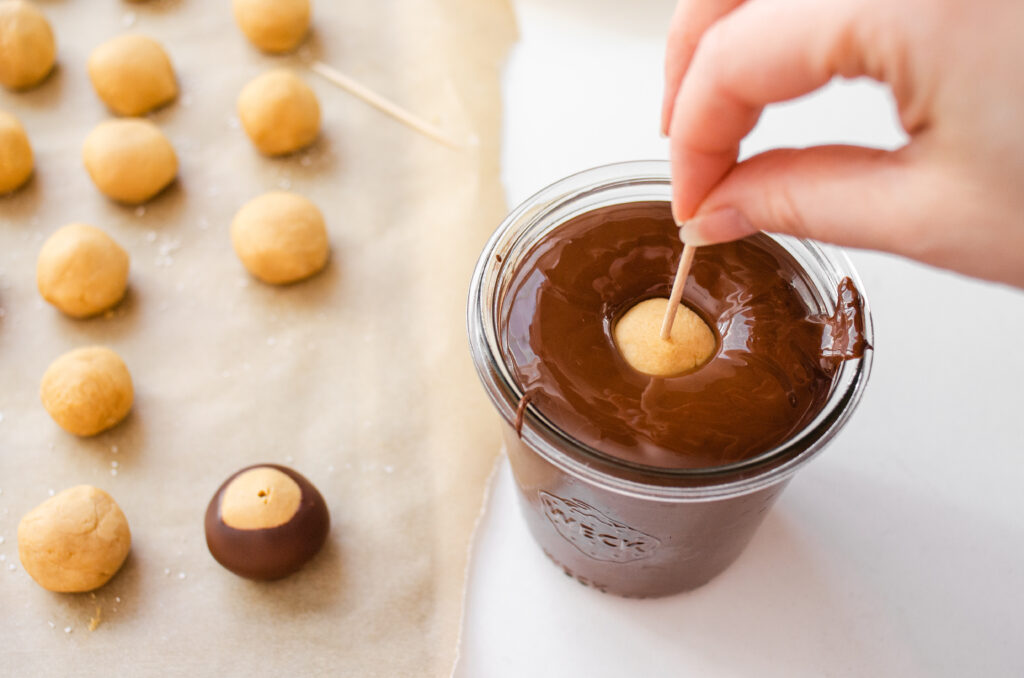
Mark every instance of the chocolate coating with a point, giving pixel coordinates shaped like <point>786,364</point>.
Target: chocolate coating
<point>771,372</point>
<point>275,552</point>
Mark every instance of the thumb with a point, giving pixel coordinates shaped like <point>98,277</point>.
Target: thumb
<point>846,195</point>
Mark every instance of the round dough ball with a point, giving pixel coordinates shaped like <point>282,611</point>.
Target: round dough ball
<point>87,390</point>
<point>638,337</point>
<point>27,48</point>
<point>16,161</point>
<point>280,237</point>
<point>273,25</point>
<point>279,112</point>
<point>132,74</point>
<point>81,270</point>
<point>74,541</point>
<point>129,160</point>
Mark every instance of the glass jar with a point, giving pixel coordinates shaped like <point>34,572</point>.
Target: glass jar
<point>631,531</point>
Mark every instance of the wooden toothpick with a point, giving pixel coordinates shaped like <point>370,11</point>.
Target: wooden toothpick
<point>357,89</point>
<point>678,284</point>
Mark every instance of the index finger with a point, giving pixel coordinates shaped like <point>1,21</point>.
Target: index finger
<point>763,52</point>
<point>689,22</point>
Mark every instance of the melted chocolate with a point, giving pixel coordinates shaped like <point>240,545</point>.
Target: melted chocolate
<point>776,358</point>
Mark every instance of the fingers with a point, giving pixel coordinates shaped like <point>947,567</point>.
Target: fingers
<point>903,202</point>
<point>847,195</point>
<point>689,21</point>
<point>760,53</point>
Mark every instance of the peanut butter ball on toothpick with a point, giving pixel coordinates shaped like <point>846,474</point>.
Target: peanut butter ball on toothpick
<point>638,337</point>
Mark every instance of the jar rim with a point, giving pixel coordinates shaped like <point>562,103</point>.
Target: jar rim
<point>646,180</point>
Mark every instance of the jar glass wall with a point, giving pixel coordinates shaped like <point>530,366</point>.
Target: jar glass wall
<point>622,529</point>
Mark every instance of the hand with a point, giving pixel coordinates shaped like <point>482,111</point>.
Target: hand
<point>952,197</point>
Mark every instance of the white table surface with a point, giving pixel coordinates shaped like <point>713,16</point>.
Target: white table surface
<point>899,551</point>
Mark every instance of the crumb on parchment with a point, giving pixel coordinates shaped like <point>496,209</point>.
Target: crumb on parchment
<point>97,619</point>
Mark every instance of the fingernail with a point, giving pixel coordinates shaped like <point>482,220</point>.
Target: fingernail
<point>690,235</point>
<point>723,225</point>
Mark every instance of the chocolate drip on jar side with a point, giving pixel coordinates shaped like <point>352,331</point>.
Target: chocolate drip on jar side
<point>843,332</point>
<point>770,375</point>
<point>521,413</point>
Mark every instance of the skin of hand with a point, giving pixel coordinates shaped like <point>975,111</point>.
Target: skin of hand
<point>952,197</point>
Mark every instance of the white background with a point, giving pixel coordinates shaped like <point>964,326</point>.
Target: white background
<point>899,551</point>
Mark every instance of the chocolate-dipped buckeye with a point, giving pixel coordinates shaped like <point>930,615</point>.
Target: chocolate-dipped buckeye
<point>265,522</point>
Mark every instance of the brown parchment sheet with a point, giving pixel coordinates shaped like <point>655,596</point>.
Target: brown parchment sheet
<point>359,378</point>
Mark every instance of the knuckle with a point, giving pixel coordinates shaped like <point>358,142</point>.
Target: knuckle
<point>713,44</point>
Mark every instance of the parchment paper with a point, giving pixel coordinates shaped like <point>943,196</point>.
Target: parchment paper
<point>358,378</point>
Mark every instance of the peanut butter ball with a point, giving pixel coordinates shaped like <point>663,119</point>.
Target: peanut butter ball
<point>280,237</point>
<point>87,390</point>
<point>132,74</point>
<point>74,541</point>
<point>27,47</point>
<point>638,337</point>
<point>279,112</point>
<point>273,26</point>
<point>129,160</point>
<point>16,161</point>
<point>81,270</point>
<point>266,522</point>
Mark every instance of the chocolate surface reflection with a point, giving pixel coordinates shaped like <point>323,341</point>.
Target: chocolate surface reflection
<point>772,371</point>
